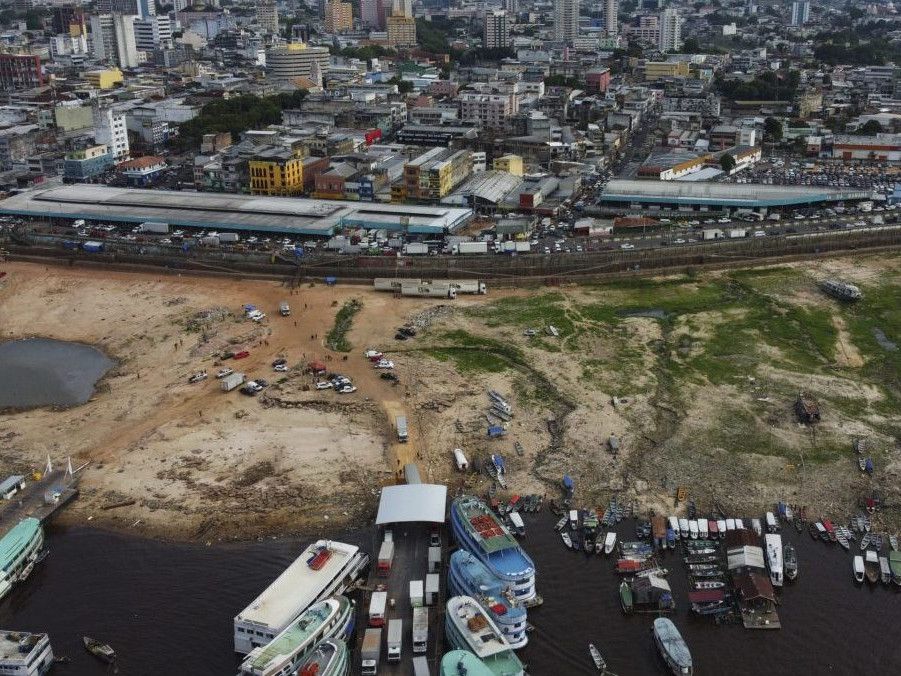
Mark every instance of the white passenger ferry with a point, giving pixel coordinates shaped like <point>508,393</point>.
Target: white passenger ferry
<point>324,569</point>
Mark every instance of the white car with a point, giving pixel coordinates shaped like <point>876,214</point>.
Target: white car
<point>224,372</point>
<point>281,368</point>
<point>369,354</point>
<point>323,385</point>
<point>723,220</point>
<point>385,364</point>
<point>626,246</point>
<point>347,389</point>
<point>678,241</point>
<point>256,315</point>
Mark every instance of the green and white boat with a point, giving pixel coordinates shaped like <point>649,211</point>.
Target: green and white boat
<point>19,549</point>
<point>463,663</point>
<point>329,658</point>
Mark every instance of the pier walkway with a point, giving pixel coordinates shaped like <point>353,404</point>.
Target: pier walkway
<point>40,499</point>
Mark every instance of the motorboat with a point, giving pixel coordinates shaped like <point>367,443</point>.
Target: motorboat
<point>721,527</point>
<point>672,647</point>
<point>871,566</point>
<point>561,524</point>
<point>599,662</point>
<point>858,569</point>
<point>693,529</point>
<point>771,524</point>
<point>790,562</point>
<point>885,570</point>
<point>683,528</point>
<point>703,532</point>
<point>739,524</point>
<point>573,519</point>
<point>674,525</point>
<point>730,524</point>
<point>567,540</point>
<point>609,542</point>
<point>756,527</point>
<point>713,528</point>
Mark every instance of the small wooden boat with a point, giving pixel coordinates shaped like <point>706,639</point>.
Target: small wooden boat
<point>701,558</point>
<point>830,530</point>
<point>101,651</point>
<point>567,540</point>
<point>739,524</point>
<point>871,566</point>
<point>599,662</point>
<point>864,541</point>
<point>868,466</point>
<point>893,542</point>
<point>709,584</point>
<point>862,463</point>
<point>877,542</point>
<point>561,524</point>
<point>713,528</point>
<point>885,570</point>
<point>519,449</point>
<point>842,537</point>
<point>812,528</point>
<point>858,569</point>
<point>799,524</point>
<point>866,524</point>
<point>625,597</point>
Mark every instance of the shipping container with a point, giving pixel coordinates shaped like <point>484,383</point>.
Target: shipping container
<point>401,423</point>
<point>416,593</point>
<point>431,589</point>
<point>386,557</point>
<point>420,629</point>
<point>371,652</point>
<point>429,291</point>
<point>416,249</point>
<point>472,248</point>
<point>157,228</point>
<point>229,238</point>
<point>232,381</point>
<point>210,240</point>
<point>395,640</point>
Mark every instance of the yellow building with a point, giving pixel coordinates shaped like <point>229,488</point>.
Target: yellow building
<point>276,171</point>
<point>339,17</point>
<point>657,70</point>
<point>401,31</point>
<point>104,79</point>
<point>512,164</point>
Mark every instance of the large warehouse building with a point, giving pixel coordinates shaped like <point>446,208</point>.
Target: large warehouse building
<point>636,195</point>
<point>240,213</point>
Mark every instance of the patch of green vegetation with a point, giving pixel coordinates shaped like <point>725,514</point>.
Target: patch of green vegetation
<point>879,310</point>
<point>469,360</point>
<point>529,312</point>
<point>337,337</point>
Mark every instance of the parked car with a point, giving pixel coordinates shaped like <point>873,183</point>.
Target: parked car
<point>280,368</point>
<point>530,332</point>
<point>370,354</point>
<point>224,372</point>
<point>399,336</point>
<point>197,377</point>
<point>262,383</point>
<point>626,246</point>
<point>279,362</point>
<point>389,376</point>
<point>243,354</point>
<point>407,331</point>
<point>385,364</point>
<point>347,389</point>
<point>323,385</point>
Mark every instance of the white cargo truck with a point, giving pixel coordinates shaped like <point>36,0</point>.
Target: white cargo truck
<point>416,249</point>
<point>229,238</point>
<point>416,593</point>
<point>395,640</point>
<point>465,285</point>
<point>421,666</point>
<point>464,248</point>
<point>736,233</point>
<point>420,629</point>
<point>371,652</point>
<point>377,605</point>
<point>284,309</point>
<point>155,228</point>
<point>429,291</point>
<point>401,423</point>
<point>231,382</point>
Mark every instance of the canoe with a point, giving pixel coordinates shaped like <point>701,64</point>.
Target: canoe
<point>885,570</point>
<point>858,568</point>
<point>567,540</point>
<point>864,541</point>
<point>693,529</point>
<point>712,528</point>
<point>599,662</point>
<point>561,524</point>
<point>625,597</point>
<point>893,542</point>
<point>739,524</point>
<point>871,566</point>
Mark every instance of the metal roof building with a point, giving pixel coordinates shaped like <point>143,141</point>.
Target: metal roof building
<point>412,502</point>
<point>624,192</point>
<point>289,216</point>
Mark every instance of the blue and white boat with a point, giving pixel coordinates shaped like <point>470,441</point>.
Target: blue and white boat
<point>468,576</point>
<point>468,627</point>
<point>479,531</point>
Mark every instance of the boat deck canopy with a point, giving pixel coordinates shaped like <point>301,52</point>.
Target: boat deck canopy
<point>412,502</point>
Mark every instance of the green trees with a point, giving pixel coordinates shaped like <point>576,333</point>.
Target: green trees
<point>772,130</point>
<point>727,162</point>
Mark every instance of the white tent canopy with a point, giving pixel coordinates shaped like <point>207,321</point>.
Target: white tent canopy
<point>412,502</point>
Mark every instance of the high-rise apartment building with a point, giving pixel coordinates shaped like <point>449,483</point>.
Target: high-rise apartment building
<point>497,29</point>
<point>152,32</point>
<point>401,31</point>
<point>566,20</point>
<point>372,13</point>
<point>339,16</point>
<point>402,8</point>
<point>670,30</point>
<point>267,16</point>
<point>800,12</point>
<point>110,130</point>
<point>20,71</point>
<point>68,20</point>
<point>611,20</point>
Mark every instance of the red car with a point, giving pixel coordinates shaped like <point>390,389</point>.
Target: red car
<point>242,354</point>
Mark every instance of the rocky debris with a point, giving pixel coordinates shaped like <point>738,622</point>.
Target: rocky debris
<point>428,317</point>
<point>336,406</point>
<point>172,302</point>
<point>203,319</point>
<point>254,474</point>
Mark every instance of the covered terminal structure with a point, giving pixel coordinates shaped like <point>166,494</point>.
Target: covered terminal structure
<point>628,195</point>
<point>239,213</point>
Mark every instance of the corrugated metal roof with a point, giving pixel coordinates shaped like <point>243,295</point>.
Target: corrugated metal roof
<point>414,502</point>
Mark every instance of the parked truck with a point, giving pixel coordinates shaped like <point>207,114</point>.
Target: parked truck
<point>416,593</point>
<point>92,247</point>
<point>391,283</point>
<point>371,652</point>
<point>465,285</point>
<point>154,228</point>
<point>210,240</point>
<point>420,629</point>
<point>429,291</point>
<point>386,557</point>
<point>284,309</point>
<point>401,424</point>
<point>377,605</point>
<point>464,248</point>
<point>421,666</point>
<point>231,382</point>
<point>736,233</point>
<point>395,640</point>
<point>229,238</point>
<point>416,249</point>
